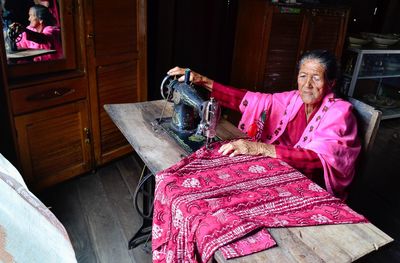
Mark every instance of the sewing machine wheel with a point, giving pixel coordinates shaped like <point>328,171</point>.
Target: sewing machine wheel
<point>166,87</point>
<point>14,33</point>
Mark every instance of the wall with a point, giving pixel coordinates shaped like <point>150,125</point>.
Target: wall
<point>197,34</point>
<point>364,18</point>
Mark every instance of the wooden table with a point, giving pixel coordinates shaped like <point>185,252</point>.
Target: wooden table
<point>329,243</point>
<point>28,54</point>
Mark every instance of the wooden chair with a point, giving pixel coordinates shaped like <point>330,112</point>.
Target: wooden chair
<point>368,120</point>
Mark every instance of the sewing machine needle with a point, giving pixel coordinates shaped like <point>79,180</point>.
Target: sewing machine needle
<point>165,105</point>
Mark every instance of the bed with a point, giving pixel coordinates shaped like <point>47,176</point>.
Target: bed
<point>29,231</point>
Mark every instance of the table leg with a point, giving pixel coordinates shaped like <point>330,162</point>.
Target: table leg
<point>145,187</point>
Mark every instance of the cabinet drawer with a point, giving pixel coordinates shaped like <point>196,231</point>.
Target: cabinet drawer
<point>42,96</point>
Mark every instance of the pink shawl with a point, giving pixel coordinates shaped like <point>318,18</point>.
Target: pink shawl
<point>52,36</point>
<point>331,133</point>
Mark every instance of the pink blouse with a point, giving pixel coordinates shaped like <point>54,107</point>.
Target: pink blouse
<point>50,38</point>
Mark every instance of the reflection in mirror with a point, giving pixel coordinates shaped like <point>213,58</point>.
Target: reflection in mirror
<point>31,30</point>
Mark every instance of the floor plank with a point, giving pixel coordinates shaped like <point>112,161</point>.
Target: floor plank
<point>122,203</point>
<point>64,203</point>
<point>104,227</point>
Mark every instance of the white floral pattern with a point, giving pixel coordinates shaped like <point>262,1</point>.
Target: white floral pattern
<point>280,222</point>
<point>314,187</point>
<point>156,231</point>
<point>170,256</point>
<point>257,169</point>
<point>224,176</point>
<point>178,219</point>
<point>156,255</point>
<point>320,219</point>
<point>191,183</point>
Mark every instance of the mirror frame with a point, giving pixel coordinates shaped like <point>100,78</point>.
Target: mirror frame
<point>69,39</point>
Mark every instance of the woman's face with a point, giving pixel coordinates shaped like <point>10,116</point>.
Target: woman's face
<point>33,19</point>
<point>311,81</point>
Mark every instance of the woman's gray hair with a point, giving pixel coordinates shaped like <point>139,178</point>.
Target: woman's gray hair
<point>327,59</point>
<point>44,14</point>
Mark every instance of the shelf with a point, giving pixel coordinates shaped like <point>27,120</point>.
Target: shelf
<point>375,50</point>
<point>374,76</point>
<point>390,113</point>
<point>373,71</point>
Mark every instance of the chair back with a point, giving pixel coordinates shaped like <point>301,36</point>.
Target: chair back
<point>368,119</point>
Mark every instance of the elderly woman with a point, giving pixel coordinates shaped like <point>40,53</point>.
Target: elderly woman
<point>309,128</point>
<point>41,33</point>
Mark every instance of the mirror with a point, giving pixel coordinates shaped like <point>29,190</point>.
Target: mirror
<point>32,31</point>
<point>64,57</point>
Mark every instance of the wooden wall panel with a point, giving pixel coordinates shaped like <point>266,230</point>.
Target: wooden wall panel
<point>323,38</point>
<point>280,65</point>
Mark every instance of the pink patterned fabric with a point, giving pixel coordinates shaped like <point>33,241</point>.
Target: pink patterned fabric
<point>260,241</point>
<point>331,133</point>
<point>208,201</point>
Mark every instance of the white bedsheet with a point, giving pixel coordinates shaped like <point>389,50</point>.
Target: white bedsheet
<point>29,231</point>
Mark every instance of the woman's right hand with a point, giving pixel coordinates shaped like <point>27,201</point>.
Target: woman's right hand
<point>195,77</point>
<point>17,28</point>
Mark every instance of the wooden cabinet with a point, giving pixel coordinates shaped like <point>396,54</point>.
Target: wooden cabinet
<point>55,108</point>
<point>54,144</point>
<point>266,53</point>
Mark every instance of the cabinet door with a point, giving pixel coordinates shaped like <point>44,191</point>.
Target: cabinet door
<point>281,58</point>
<point>116,47</point>
<point>325,29</point>
<point>54,144</point>
<point>249,43</point>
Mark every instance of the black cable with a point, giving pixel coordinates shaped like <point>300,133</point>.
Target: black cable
<point>135,198</point>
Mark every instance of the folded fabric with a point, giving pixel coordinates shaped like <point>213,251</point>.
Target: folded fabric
<point>208,202</point>
<point>257,242</point>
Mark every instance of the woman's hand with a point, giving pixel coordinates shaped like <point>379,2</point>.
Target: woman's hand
<point>16,28</point>
<point>195,78</point>
<point>247,147</point>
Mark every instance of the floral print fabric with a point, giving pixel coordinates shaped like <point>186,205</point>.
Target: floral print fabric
<point>208,201</point>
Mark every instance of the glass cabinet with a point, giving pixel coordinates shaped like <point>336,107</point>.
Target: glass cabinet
<point>373,76</point>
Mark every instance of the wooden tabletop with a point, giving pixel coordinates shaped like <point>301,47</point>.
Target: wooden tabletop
<point>28,53</point>
<point>329,243</point>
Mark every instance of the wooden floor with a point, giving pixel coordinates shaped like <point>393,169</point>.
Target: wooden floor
<point>97,208</point>
<point>97,211</point>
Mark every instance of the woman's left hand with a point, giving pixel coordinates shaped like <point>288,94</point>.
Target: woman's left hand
<point>247,147</point>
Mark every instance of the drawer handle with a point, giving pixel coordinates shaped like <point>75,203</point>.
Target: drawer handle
<point>51,94</point>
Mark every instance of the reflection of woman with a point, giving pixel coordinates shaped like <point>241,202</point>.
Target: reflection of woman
<point>41,33</point>
<point>309,128</point>
<point>52,6</point>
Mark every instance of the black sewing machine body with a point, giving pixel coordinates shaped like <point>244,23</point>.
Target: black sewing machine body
<point>195,116</point>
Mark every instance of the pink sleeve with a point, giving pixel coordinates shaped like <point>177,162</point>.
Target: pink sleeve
<point>306,161</point>
<point>227,96</point>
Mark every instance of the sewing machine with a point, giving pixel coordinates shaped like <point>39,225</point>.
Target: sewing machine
<point>14,35</point>
<point>194,119</point>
